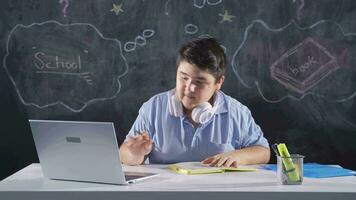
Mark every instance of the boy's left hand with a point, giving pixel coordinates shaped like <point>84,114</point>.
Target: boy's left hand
<point>228,159</point>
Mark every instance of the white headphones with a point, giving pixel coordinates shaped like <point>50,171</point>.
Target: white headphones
<point>202,113</point>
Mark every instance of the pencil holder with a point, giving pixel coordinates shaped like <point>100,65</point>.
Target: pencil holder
<point>290,169</point>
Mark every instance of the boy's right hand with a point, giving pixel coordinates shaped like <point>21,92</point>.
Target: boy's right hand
<point>140,144</point>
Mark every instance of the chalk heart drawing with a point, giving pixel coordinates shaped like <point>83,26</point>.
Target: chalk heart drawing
<point>294,61</point>
<point>69,64</point>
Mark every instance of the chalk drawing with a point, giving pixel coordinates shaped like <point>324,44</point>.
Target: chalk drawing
<point>117,8</point>
<point>65,7</point>
<point>57,61</point>
<point>300,7</point>
<point>301,68</point>
<point>191,29</point>
<point>139,40</point>
<point>226,17</point>
<point>306,70</point>
<point>202,3</point>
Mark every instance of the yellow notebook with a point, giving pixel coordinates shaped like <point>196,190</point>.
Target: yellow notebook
<point>199,168</point>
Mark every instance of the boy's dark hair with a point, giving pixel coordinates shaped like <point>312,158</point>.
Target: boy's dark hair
<point>204,53</point>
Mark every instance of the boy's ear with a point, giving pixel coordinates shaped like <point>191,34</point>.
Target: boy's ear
<point>220,82</point>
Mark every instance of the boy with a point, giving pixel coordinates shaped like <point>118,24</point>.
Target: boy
<point>195,121</point>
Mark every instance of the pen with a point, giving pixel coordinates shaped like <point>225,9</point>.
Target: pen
<point>274,147</point>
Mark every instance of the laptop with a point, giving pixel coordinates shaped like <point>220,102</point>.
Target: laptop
<point>81,151</point>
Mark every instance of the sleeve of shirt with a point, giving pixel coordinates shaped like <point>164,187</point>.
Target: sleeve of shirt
<point>250,133</point>
<point>142,122</point>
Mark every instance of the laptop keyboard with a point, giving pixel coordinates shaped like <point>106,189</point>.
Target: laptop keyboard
<point>132,177</point>
<point>136,175</point>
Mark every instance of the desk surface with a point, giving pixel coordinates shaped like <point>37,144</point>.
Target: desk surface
<point>30,183</point>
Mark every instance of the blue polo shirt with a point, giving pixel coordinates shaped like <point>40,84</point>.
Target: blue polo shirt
<point>176,140</point>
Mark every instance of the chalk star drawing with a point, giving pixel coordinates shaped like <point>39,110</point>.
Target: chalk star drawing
<point>117,9</point>
<point>226,17</point>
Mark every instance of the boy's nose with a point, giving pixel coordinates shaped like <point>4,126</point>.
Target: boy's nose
<point>192,87</point>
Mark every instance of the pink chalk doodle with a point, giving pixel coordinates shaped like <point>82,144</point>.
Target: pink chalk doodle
<point>304,66</point>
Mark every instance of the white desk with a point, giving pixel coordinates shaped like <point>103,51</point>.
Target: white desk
<point>29,184</point>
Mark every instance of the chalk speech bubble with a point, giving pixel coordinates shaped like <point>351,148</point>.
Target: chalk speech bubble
<point>294,61</point>
<point>73,65</point>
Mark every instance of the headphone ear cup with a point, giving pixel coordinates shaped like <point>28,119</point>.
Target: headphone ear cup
<point>196,113</point>
<point>202,113</point>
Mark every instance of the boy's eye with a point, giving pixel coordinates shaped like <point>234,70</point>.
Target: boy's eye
<point>200,82</point>
<point>184,78</point>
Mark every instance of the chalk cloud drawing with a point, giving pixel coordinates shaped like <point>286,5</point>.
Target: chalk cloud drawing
<point>294,61</point>
<point>72,65</point>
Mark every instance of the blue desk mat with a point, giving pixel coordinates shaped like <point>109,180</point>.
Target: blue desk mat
<point>315,170</point>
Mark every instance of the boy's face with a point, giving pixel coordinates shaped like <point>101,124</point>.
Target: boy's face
<point>195,86</point>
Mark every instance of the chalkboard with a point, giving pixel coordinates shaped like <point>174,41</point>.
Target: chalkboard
<point>290,61</point>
